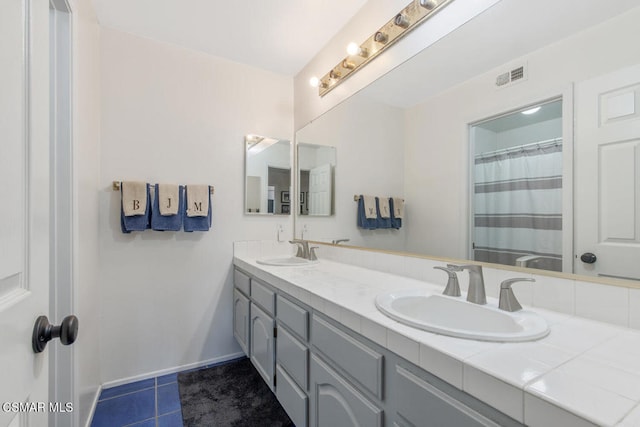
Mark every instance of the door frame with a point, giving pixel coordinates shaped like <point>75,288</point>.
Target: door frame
<point>567,98</point>
<point>61,292</point>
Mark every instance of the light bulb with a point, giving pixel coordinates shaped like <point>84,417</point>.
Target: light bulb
<point>314,81</point>
<point>353,48</point>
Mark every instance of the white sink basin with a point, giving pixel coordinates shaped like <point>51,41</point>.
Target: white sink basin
<point>456,317</point>
<point>291,261</point>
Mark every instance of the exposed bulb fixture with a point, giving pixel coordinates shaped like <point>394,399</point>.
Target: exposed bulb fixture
<point>348,64</point>
<point>381,37</point>
<point>353,49</point>
<point>314,81</point>
<point>360,54</point>
<point>531,110</point>
<point>428,4</point>
<point>401,21</point>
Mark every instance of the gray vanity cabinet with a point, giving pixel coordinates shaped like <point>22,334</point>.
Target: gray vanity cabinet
<point>325,374</point>
<point>241,320</point>
<point>262,344</point>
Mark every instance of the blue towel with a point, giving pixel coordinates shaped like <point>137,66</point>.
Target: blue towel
<point>395,222</point>
<point>363,222</point>
<point>167,222</point>
<point>381,222</point>
<point>138,222</point>
<point>197,223</point>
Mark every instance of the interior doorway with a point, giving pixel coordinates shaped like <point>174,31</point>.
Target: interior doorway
<point>517,188</point>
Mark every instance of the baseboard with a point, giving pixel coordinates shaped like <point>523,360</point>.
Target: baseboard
<point>93,406</point>
<point>161,372</point>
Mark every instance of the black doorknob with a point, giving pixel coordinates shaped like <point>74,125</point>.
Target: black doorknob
<point>588,258</point>
<point>43,332</point>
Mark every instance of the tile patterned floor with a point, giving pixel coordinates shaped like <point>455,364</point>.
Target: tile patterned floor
<point>148,403</point>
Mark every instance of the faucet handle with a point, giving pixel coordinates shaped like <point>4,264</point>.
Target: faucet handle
<point>508,301</point>
<point>453,286</point>
<point>312,253</point>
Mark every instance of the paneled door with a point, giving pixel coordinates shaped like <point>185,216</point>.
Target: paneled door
<point>24,209</point>
<point>320,187</point>
<point>607,174</point>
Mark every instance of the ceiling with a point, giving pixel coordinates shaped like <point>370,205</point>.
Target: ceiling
<point>277,35</point>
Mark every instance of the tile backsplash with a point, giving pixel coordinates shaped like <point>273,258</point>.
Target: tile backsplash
<point>602,302</point>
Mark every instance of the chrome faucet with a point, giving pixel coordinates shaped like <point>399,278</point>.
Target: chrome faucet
<point>303,248</point>
<point>476,293</point>
<point>453,286</point>
<point>508,301</point>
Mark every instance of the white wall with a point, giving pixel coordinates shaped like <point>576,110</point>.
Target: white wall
<point>437,153</point>
<point>368,137</point>
<point>86,181</point>
<point>174,115</point>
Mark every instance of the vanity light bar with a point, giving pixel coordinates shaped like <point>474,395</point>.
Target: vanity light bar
<point>410,17</point>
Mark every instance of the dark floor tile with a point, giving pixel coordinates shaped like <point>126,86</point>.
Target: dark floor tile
<point>168,398</point>
<point>151,422</point>
<point>127,388</point>
<point>125,410</point>
<point>166,379</point>
<point>173,419</point>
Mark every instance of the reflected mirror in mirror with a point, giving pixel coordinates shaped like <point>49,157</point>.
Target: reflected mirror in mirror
<point>267,175</point>
<point>516,173</point>
<point>420,116</point>
<point>316,178</point>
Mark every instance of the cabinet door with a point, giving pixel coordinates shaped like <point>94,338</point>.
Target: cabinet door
<point>420,403</point>
<point>241,320</point>
<point>335,402</point>
<point>261,348</point>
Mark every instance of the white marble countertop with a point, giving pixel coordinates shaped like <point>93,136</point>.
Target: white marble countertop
<point>583,367</point>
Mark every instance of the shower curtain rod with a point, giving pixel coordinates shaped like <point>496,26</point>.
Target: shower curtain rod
<point>539,144</point>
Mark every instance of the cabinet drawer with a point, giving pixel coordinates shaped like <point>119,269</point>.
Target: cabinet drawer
<point>292,399</point>
<point>417,400</point>
<point>263,296</point>
<point>294,317</point>
<point>335,402</point>
<point>358,360</point>
<point>241,281</point>
<point>293,356</point>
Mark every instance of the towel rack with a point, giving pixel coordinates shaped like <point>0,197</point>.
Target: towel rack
<point>357,197</point>
<point>116,187</point>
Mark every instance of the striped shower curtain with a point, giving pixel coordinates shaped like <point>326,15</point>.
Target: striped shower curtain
<point>518,206</point>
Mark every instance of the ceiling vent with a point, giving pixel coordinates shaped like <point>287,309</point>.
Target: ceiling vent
<point>517,74</point>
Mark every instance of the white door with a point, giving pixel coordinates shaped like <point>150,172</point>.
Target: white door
<point>24,208</point>
<point>607,175</point>
<point>320,190</point>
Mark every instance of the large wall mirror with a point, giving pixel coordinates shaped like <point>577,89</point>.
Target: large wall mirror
<point>267,175</point>
<point>418,131</point>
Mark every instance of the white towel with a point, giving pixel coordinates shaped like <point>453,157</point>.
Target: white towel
<point>134,198</point>
<point>398,207</point>
<point>168,199</point>
<point>197,200</point>
<point>370,211</point>
<point>383,204</point>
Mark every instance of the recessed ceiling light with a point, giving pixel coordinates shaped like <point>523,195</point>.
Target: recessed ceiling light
<point>531,110</point>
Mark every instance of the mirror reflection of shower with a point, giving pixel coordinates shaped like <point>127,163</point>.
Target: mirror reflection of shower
<point>516,173</point>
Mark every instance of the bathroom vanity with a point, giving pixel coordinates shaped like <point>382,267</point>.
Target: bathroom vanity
<point>325,374</point>
<point>317,337</point>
